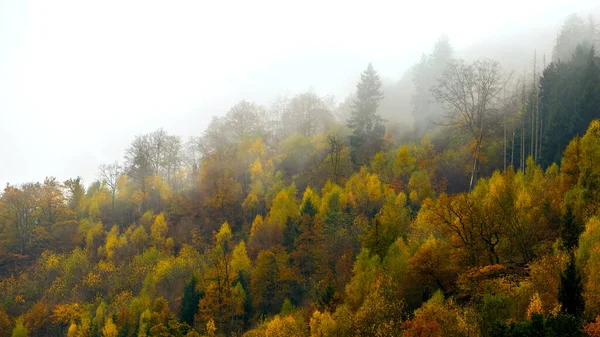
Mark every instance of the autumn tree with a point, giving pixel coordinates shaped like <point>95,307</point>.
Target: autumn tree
<point>309,114</point>
<point>271,280</point>
<point>471,94</point>
<point>20,330</point>
<point>223,301</point>
<point>76,194</point>
<point>109,173</point>
<point>19,212</point>
<point>309,247</point>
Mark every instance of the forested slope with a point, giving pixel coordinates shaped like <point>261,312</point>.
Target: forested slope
<point>309,219</point>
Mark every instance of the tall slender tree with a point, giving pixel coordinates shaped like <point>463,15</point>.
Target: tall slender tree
<point>367,126</point>
<point>571,288</point>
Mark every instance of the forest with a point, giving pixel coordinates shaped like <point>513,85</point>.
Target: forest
<point>308,218</point>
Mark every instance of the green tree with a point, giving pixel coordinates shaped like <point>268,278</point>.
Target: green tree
<point>189,302</point>
<point>569,101</point>
<point>19,330</point>
<point>571,288</point>
<point>425,109</point>
<point>571,230</point>
<point>367,126</point>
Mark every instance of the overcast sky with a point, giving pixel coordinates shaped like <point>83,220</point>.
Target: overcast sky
<point>78,79</point>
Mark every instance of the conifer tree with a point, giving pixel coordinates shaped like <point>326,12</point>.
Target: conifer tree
<point>367,126</point>
<point>571,288</point>
<point>189,302</point>
<point>570,231</point>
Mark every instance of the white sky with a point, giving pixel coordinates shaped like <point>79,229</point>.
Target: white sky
<point>78,79</point>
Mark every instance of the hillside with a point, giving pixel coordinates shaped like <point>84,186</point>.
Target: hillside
<point>308,218</point>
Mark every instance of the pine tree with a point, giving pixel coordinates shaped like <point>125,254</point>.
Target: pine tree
<point>378,239</point>
<point>189,302</point>
<point>367,126</point>
<point>571,288</point>
<point>425,109</point>
<point>571,229</point>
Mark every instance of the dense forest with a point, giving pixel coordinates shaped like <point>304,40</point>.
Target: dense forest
<point>309,218</point>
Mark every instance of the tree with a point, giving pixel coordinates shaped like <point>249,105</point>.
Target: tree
<point>367,126</point>
<point>322,325</point>
<point>309,253</point>
<point>246,119</point>
<point>336,147</point>
<point>438,317</point>
<point>20,206</point>
<point>425,74</point>
<point>285,327</point>
<point>571,230</point>
<point>222,300</point>
<point>431,263</point>
<point>159,230</point>
<point>76,192</point>
<point>172,159</point>
<point>309,114</point>
<point>109,329</point>
<point>571,289</point>
<point>573,33</point>
<point>471,95</point>
<point>189,302</point>
<point>568,101</point>
<point>110,176</point>
<point>5,324</point>
<point>271,280</point>
<point>19,330</point>
<point>51,202</point>
<point>381,313</point>
<point>138,164</point>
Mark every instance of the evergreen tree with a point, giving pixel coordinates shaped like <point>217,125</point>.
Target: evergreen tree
<point>378,239</point>
<point>425,109</point>
<point>290,233</point>
<point>367,126</point>
<point>573,32</point>
<point>308,207</point>
<point>571,229</point>
<point>569,101</point>
<point>189,302</point>
<point>570,289</point>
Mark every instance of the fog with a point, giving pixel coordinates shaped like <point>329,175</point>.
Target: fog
<point>79,79</point>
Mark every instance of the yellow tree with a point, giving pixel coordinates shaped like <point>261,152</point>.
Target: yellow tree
<point>271,280</point>
<point>159,230</point>
<point>221,302</point>
<point>404,164</point>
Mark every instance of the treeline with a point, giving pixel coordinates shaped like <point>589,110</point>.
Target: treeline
<point>310,219</point>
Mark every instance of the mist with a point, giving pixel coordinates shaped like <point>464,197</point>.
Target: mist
<point>79,80</point>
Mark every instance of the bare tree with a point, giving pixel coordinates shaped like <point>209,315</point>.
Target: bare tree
<point>193,154</point>
<point>109,174</point>
<point>470,94</point>
<point>336,144</point>
<point>309,114</point>
<point>172,158</point>
<point>158,143</point>
<point>510,112</point>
